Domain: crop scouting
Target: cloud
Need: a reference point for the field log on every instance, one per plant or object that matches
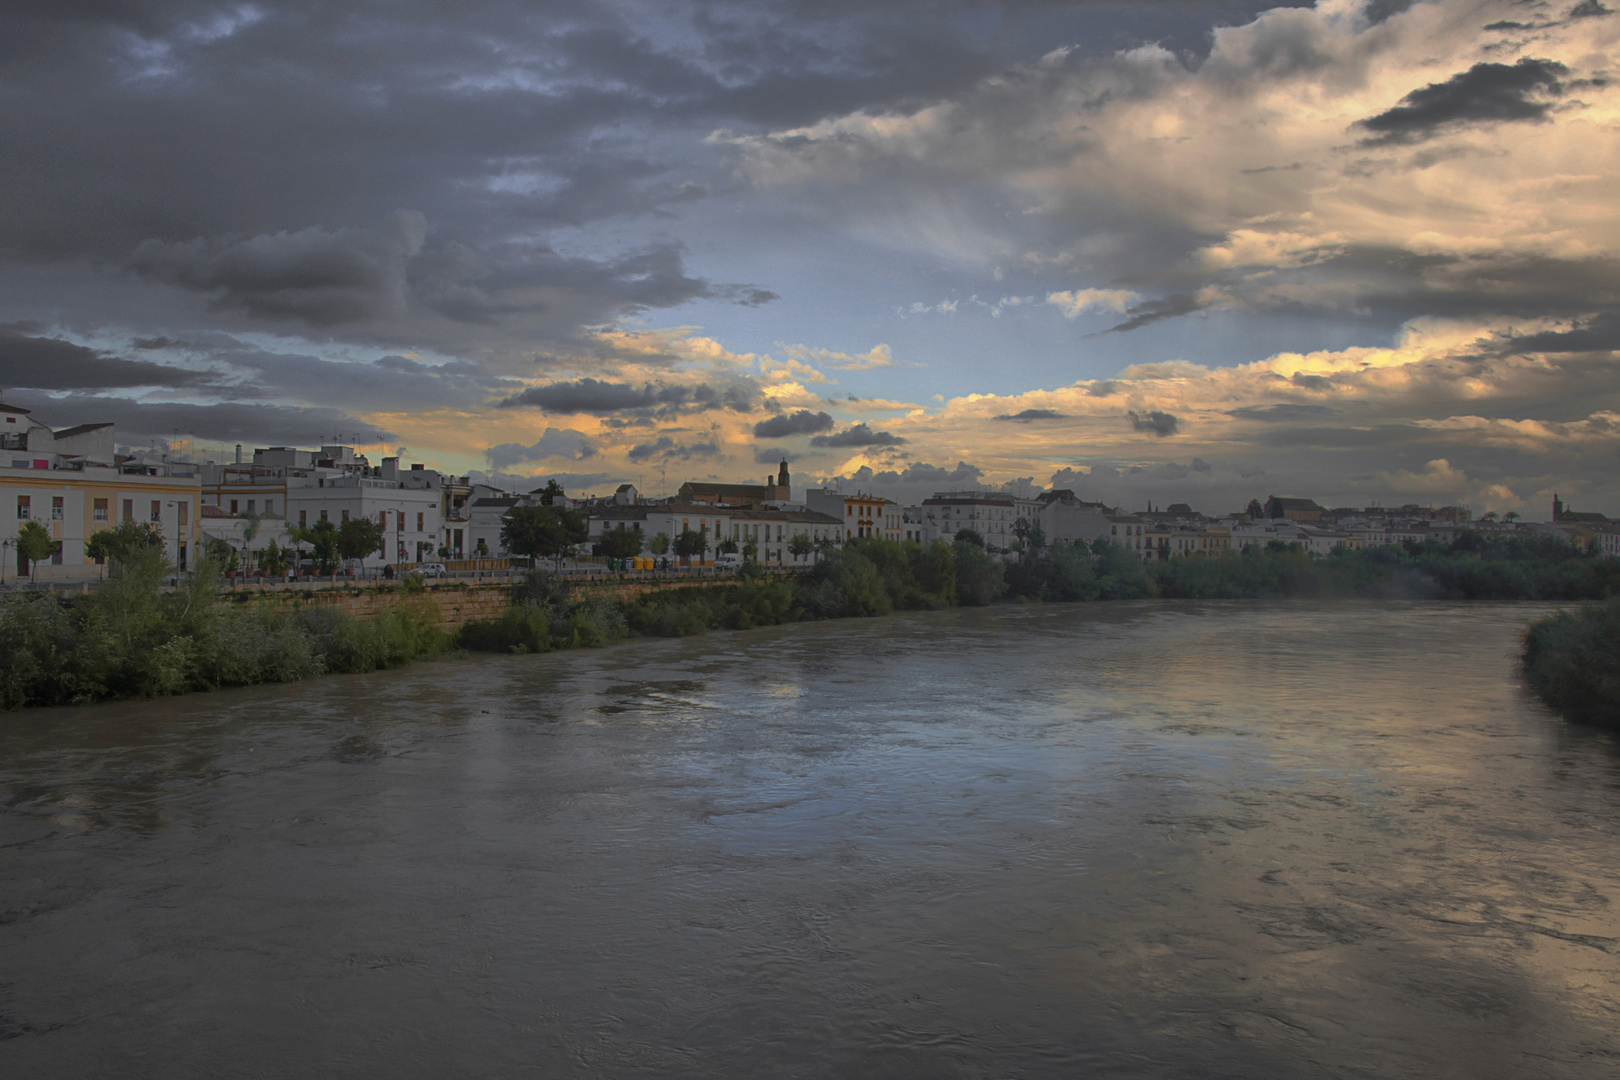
(1033, 414)
(770, 455)
(1079, 300)
(227, 422)
(1600, 333)
(1438, 478)
(878, 356)
(1154, 423)
(604, 398)
(323, 277)
(665, 448)
(49, 363)
(856, 435)
(803, 422)
(1485, 93)
(1285, 412)
(554, 443)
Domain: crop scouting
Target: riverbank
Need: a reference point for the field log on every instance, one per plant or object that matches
(132, 638)
(1572, 662)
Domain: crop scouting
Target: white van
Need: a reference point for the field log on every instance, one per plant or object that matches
(728, 560)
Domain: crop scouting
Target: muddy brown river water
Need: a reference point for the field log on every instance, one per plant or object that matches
(1108, 840)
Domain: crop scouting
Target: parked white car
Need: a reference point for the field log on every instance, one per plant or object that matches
(430, 569)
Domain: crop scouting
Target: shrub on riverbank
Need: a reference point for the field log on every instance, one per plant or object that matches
(1572, 662)
(1469, 570)
(130, 638)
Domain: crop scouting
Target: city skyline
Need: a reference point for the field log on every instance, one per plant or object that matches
(1363, 252)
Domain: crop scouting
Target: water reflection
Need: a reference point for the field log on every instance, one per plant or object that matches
(1129, 840)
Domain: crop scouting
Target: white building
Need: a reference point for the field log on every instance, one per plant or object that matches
(994, 515)
(1066, 520)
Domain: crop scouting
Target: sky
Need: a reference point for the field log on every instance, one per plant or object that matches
(1363, 251)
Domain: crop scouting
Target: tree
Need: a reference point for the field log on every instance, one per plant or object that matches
(691, 542)
(659, 544)
(359, 537)
(801, 545)
(546, 531)
(34, 543)
(621, 542)
(483, 549)
(273, 560)
(1255, 510)
(129, 540)
(727, 546)
(979, 578)
(551, 493)
(322, 537)
(1511, 515)
(968, 536)
(222, 554)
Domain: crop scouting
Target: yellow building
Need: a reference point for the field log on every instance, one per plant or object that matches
(72, 504)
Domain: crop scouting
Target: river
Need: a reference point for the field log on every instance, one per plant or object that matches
(1106, 840)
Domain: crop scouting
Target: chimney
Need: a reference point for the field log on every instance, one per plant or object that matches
(239, 453)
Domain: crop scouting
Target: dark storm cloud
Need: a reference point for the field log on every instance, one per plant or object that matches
(1345, 438)
(1600, 333)
(1153, 311)
(318, 276)
(770, 455)
(603, 398)
(857, 435)
(1485, 93)
(803, 422)
(665, 448)
(254, 155)
(47, 363)
(1153, 423)
(1034, 414)
(227, 422)
(1379, 10)
(1589, 9)
(1273, 414)
(554, 443)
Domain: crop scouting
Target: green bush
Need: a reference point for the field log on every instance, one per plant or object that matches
(1572, 662)
(130, 638)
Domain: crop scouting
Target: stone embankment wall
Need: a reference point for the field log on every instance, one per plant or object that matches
(458, 603)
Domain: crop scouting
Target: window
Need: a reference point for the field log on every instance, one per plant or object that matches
(157, 510)
(250, 505)
(419, 521)
(98, 509)
(56, 508)
(382, 520)
(323, 515)
(233, 506)
(849, 511)
(182, 514)
(22, 507)
(303, 518)
(345, 515)
(269, 506)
